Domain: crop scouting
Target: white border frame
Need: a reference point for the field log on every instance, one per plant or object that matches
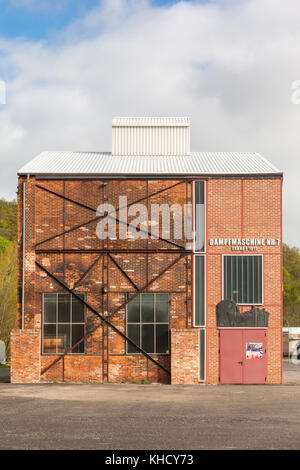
(205, 339)
(262, 276)
(194, 217)
(204, 255)
(199, 253)
(194, 296)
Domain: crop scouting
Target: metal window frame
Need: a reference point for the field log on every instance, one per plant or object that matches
(62, 323)
(194, 216)
(261, 255)
(203, 254)
(154, 323)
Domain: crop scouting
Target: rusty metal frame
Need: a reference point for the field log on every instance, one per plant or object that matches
(106, 251)
(108, 215)
(87, 271)
(123, 272)
(105, 320)
(105, 323)
(170, 266)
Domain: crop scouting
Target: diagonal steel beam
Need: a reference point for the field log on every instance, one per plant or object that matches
(157, 237)
(67, 231)
(123, 272)
(87, 335)
(108, 215)
(106, 251)
(87, 271)
(146, 286)
(103, 319)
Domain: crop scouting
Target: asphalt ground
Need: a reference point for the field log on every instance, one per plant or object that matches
(135, 417)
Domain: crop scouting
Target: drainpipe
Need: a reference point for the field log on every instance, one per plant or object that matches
(23, 257)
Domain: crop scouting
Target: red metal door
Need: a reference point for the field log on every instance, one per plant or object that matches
(231, 356)
(243, 357)
(255, 356)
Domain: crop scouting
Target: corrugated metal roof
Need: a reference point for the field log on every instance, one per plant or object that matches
(151, 140)
(150, 121)
(104, 164)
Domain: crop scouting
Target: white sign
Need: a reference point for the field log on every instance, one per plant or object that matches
(243, 244)
(254, 350)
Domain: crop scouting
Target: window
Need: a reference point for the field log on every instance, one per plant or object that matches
(202, 355)
(199, 203)
(199, 294)
(148, 323)
(243, 279)
(63, 323)
(199, 271)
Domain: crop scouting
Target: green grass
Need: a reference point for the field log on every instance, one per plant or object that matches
(4, 366)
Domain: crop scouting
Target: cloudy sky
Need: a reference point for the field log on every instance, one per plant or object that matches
(71, 65)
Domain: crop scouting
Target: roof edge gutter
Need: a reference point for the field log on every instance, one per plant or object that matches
(278, 174)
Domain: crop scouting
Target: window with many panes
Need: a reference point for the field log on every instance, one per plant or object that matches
(243, 279)
(63, 323)
(148, 323)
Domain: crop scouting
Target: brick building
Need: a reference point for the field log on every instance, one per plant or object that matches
(142, 304)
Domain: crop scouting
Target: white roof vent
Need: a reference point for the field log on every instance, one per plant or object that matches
(151, 136)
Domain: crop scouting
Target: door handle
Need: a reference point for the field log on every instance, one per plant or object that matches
(240, 362)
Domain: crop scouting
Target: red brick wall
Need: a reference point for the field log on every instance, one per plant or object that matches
(245, 208)
(184, 356)
(25, 356)
(236, 208)
(73, 369)
(48, 215)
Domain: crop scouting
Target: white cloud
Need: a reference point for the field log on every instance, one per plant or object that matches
(229, 67)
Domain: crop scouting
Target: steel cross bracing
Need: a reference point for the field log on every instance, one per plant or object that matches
(105, 319)
(105, 323)
(107, 215)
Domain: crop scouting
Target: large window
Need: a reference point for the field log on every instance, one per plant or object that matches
(199, 288)
(63, 323)
(148, 323)
(243, 279)
(199, 207)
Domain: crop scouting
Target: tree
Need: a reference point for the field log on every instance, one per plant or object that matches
(8, 219)
(291, 286)
(8, 293)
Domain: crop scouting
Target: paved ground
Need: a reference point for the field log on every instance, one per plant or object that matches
(4, 375)
(116, 417)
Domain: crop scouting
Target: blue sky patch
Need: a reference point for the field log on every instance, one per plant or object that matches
(39, 19)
